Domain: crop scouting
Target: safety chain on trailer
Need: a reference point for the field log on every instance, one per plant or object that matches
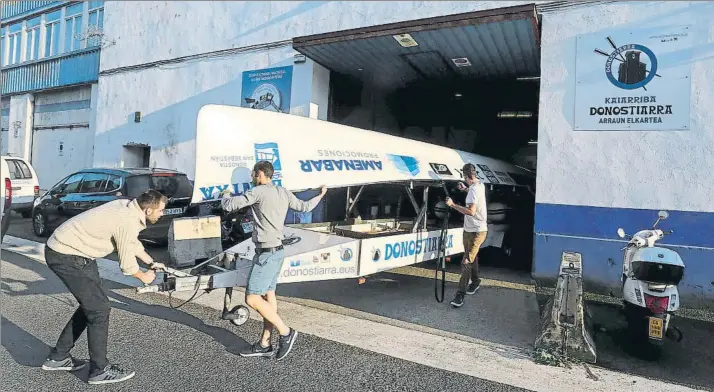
(441, 261)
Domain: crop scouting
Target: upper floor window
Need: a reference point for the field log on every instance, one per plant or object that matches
(32, 46)
(73, 27)
(52, 33)
(96, 22)
(15, 44)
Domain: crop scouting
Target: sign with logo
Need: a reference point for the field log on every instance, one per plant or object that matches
(268, 89)
(440, 169)
(405, 164)
(633, 79)
(385, 253)
(335, 262)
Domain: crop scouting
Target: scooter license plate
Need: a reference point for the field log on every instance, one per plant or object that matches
(247, 227)
(656, 328)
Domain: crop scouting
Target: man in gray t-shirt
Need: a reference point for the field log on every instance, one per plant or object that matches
(269, 204)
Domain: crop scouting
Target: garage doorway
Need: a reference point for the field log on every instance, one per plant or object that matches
(467, 81)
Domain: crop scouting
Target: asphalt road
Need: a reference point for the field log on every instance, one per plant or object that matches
(187, 349)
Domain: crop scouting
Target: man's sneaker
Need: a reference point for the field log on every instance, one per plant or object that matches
(285, 343)
(473, 287)
(69, 364)
(256, 350)
(110, 374)
(458, 300)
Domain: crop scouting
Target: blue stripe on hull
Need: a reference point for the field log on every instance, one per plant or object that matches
(592, 231)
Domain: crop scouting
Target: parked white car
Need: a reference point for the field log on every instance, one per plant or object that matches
(25, 185)
(6, 193)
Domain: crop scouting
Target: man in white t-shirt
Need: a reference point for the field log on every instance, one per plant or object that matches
(475, 230)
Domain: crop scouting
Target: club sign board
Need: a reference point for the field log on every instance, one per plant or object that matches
(637, 79)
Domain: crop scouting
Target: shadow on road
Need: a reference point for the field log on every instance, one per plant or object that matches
(24, 348)
(51, 285)
(689, 362)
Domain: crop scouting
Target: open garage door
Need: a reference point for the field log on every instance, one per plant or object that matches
(466, 81)
(485, 44)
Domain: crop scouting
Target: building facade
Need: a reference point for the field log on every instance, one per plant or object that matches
(617, 138)
(50, 65)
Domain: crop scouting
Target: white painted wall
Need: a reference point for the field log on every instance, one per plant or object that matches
(625, 169)
(148, 31)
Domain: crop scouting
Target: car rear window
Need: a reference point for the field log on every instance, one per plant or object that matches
(18, 170)
(169, 184)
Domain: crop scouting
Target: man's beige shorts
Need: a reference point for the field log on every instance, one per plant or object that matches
(472, 243)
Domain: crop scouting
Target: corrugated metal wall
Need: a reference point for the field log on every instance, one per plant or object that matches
(82, 67)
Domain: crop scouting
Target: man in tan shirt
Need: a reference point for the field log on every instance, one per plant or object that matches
(71, 253)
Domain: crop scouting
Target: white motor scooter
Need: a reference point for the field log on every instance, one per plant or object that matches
(650, 275)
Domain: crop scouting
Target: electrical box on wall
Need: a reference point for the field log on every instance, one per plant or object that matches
(137, 117)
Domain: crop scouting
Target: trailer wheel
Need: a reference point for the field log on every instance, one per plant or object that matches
(243, 314)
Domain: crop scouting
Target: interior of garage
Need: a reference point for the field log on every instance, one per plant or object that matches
(467, 81)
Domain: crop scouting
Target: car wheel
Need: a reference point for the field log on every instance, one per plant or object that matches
(39, 224)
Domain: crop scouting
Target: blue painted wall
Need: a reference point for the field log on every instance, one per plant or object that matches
(592, 231)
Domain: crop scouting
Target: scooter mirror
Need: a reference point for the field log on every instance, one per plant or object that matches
(621, 233)
(663, 215)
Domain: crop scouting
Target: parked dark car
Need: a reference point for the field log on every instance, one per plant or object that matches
(89, 188)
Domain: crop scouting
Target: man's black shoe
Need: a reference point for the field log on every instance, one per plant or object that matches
(473, 287)
(285, 343)
(458, 300)
(256, 350)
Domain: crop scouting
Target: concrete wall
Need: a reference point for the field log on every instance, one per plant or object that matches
(592, 182)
